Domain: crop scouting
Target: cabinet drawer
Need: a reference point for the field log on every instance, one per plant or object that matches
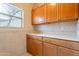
(49, 49)
(55, 41)
(67, 52)
(65, 43)
(73, 45)
(34, 37)
(34, 45)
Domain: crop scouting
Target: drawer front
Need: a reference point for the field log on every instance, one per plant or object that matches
(67, 52)
(34, 37)
(65, 43)
(73, 45)
(55, 41)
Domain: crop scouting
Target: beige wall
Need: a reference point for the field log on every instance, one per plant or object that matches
(27, 15)
(13, 40)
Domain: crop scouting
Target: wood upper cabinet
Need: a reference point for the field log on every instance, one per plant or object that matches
(78, 10)
(67, 52)
(49, 49)
(39, 15)
(34, 46)
(67, 11)
(55, 12)
(51, 12)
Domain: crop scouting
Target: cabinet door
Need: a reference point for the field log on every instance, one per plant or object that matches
(39, 15)
(49, 50)
(67, 11)
(78, 10)
(67, 52)
(34, 46)
(51, 12)
(38, 47)
(30, 46)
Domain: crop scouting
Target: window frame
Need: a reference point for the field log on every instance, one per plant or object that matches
(22, 17)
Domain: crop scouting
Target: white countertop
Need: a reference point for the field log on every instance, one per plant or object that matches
(58, 36)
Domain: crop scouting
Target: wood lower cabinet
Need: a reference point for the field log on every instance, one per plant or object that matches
(67, 52)
(49, 49)
(34, 46)
(38, 47)
(31, 46)
(42, 46)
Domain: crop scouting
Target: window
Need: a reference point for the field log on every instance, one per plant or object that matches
(10, 15)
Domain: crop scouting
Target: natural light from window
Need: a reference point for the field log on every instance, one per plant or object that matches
(10, 15)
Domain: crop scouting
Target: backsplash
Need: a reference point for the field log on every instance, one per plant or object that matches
(66, 28)
(77, 31)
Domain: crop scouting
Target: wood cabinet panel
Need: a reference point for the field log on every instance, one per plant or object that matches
(30, 46)
(39, 15)
(35, 37)
(51, 13)
(49, 49)
(39, 46)
(78, 10)
(63, 42)
(67, 11)
(67, 52)
(55, 41)
(34, 46)
(57, 12)
(72, 45)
